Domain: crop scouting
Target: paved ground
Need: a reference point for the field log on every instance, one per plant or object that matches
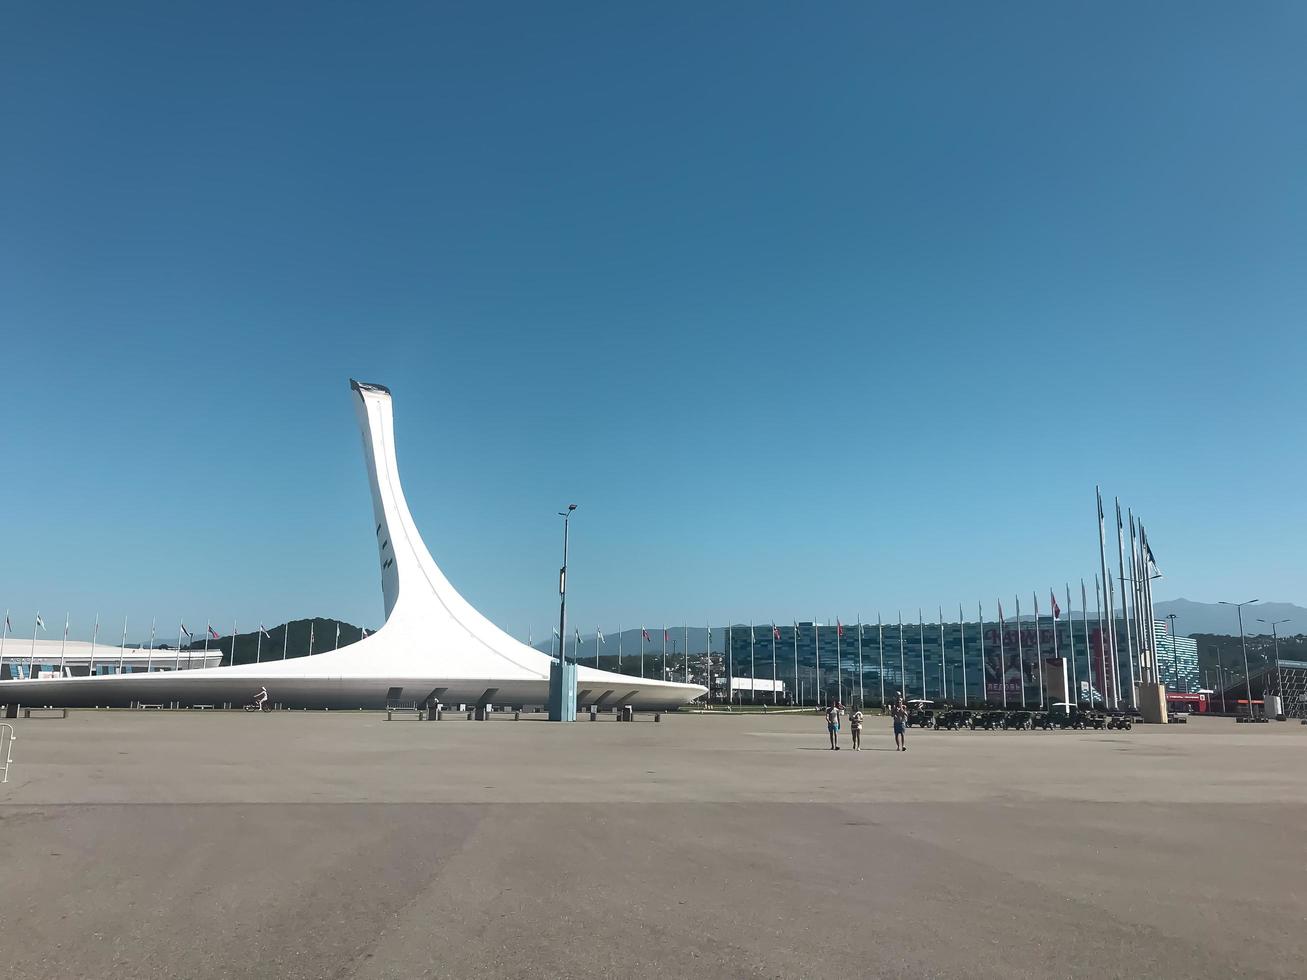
(339, 845)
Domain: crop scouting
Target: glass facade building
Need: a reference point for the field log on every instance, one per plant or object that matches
(972, 661)
(1177, 660)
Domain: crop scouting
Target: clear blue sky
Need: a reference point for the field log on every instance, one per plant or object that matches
(815, 310)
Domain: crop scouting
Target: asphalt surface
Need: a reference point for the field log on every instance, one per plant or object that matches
(206, 845)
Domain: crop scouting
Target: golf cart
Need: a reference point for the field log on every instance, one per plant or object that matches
(921, 713)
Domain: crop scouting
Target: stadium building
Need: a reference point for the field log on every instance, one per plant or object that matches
(950, 661)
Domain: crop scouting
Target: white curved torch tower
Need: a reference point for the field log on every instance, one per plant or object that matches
(434, 646)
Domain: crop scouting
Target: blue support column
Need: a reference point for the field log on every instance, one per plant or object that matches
(562, 691)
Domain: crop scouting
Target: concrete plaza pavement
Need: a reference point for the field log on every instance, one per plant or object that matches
(308, 844)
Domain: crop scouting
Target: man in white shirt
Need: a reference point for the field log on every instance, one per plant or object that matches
(855, 726)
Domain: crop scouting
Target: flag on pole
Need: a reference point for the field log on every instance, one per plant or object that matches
(214, 633)
(666, 634)
(365, 633)
(40, 622)
(188, 633)
(775, 632)
(839, 627)
(1057, 612)
(599, 636)
(644, 635)
(8, 628)
(338, 631)
(578, 643)
(264, 630)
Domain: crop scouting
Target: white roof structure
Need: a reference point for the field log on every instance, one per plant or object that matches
(24, 655)
(433, 646)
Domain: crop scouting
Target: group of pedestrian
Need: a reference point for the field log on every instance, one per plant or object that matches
(898, 713)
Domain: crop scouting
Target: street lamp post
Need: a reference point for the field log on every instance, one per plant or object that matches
(1175, 653)
(1243, 644)
(1275, 637)
(562, 586)
(562, 680)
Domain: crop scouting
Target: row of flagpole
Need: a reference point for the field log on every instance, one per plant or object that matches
(1136, 618)
(39, 626)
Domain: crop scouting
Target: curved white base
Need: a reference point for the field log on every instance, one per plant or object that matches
(433, 644)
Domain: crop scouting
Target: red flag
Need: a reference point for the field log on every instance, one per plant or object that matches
(665, 634)
(839, 627)
(213, 633)
(775, 632)
(1056, 610)
(645, 634)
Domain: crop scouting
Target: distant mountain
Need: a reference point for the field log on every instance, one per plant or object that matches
(1210, 617)
(277, 644)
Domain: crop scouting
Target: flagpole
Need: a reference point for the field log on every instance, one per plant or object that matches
(1052, 598)
(1146, 559)
(943, 670)
(753, 674)
(839, 661)
(149, 660)
(233, 641)
(1116, 660)
(619, 649)
(208, 632)
(1110, 636)
(31, 657)
(122, 647)
(1071, 635)
(685, 641)
(980, 624)
(1102, 639)
(728, 662)
(1125, 607)
(1136, 595)
(774, 693)
(642, 651)
(63, 645)
(797, 689)
(1021, 655)
(285, 639)
(3, 636)
(880, 639)
(1089, 652)
(1039, 649)
(1002, 652)
(921, 648)
(861, 697)
(258, 645)
(177, 660)
(903, 664)
(816, 639)
(962, 633)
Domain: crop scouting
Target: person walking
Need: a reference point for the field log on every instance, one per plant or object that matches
(855, 727)
(900, 715)
(833, 726)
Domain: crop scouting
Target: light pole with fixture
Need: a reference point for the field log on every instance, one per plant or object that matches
(562, 675)
(1243, 644)
(1175, 652)
(1275, 637)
